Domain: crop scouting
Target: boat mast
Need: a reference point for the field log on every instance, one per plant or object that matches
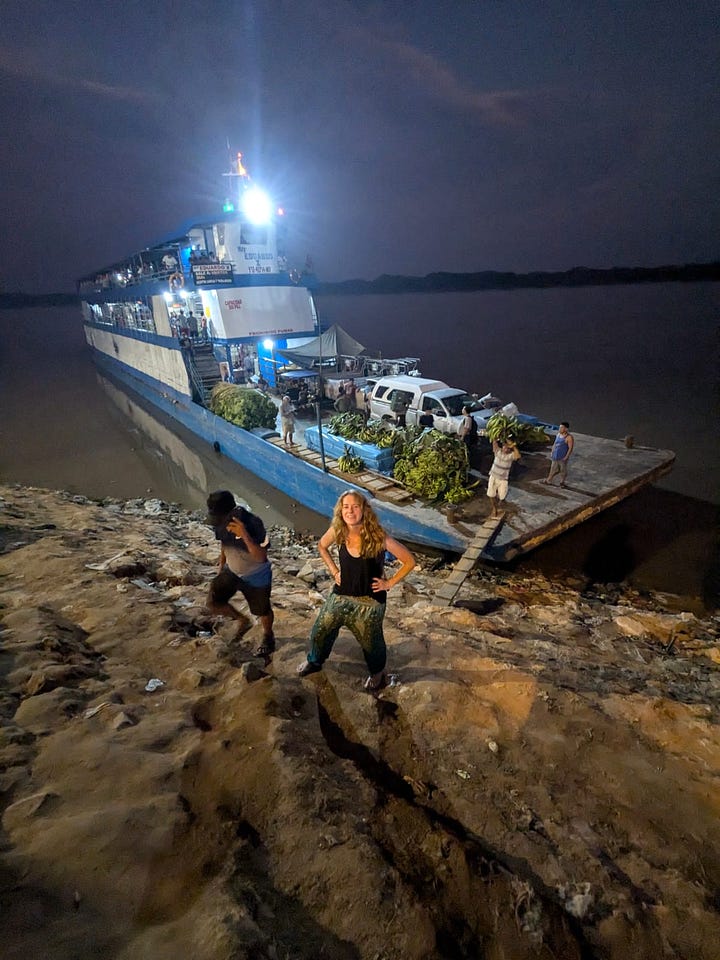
(240, 179)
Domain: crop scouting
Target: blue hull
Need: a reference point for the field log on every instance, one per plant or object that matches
(301, 481)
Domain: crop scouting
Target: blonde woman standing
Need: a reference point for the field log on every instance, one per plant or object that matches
(358, 598)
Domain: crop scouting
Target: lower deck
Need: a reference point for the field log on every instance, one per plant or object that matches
(601, 473)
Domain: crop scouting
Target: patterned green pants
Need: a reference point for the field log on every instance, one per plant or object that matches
(361, 615)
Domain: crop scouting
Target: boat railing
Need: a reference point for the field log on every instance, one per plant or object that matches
(121, 280)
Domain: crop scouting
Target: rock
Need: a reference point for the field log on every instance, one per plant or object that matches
(577, 898)
(557, 615)
(121, 720)
(175, 571)
(661, 626)
(46, 711)
(251, 672)
(308, 572)
(126, 567)
(191, 679)
(55, 675)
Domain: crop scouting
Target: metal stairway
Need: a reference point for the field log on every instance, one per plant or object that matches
(203, 369)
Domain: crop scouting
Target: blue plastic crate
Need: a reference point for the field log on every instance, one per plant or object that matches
(381, 461)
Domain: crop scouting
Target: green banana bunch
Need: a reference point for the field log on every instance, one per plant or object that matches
(242, 406)
(502, 429)
(434, 467)
(349, 463)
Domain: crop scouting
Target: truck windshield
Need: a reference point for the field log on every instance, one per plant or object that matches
(455, 404)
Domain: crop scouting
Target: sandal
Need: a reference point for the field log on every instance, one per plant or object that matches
(307, 667)
(267, 647)
(376, 682)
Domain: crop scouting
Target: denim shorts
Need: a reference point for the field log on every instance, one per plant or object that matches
(226, 584)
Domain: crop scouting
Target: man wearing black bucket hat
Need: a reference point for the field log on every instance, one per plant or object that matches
(244, 565)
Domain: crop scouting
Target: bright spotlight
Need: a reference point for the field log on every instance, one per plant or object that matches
(256, 206)
(268, 344)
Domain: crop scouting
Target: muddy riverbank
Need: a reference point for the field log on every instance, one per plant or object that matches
(539, 781)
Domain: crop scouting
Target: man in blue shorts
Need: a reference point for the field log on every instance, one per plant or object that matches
(560, 454)
(243, 564)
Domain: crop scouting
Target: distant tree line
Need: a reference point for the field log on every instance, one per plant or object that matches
(494, 280)
(454, 282)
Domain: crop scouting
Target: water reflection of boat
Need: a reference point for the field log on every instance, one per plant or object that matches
(184, 468)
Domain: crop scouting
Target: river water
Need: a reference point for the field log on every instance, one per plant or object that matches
(638, 360)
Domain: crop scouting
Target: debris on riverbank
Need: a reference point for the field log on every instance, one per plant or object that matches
(539, 781)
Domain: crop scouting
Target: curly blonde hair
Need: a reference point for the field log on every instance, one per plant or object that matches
(372, 535)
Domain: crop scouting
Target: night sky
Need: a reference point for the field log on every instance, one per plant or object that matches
(401, 137)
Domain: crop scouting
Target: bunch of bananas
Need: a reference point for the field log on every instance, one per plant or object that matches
(242, 406)
(502, 429)
(352, 426)
(435, 467)
(349, 463)
(347, 425)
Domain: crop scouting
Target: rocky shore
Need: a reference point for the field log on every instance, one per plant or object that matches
(540, 779)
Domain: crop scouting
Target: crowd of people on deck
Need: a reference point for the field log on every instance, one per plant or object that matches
(148, 266)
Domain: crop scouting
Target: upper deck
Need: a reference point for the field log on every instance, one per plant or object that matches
(242, 246)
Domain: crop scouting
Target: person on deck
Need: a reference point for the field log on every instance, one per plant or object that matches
(243, 564)
(498, 480)
(287, 421)
(359, 595)
(468, 430)
(560, 454)
(343, 403)
(399, 405)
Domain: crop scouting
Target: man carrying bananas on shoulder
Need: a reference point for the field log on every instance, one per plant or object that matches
(498, 480)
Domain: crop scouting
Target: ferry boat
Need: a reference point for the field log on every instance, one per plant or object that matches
(216, 300)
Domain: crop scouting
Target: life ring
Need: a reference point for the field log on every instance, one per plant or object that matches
(176, 281)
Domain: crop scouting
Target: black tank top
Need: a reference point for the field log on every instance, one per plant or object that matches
(358, 573)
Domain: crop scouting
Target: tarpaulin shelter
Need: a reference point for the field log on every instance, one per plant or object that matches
(333, 344)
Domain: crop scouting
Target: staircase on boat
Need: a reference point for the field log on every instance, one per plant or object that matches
(203, 369)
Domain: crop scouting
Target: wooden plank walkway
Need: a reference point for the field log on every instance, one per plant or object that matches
(384, 488)
(445, 595)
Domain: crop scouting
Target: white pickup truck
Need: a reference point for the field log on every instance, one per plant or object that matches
(433, 397)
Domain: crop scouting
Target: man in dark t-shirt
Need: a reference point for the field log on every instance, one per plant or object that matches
(243, 564)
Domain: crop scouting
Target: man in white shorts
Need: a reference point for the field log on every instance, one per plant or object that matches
(497, 489)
